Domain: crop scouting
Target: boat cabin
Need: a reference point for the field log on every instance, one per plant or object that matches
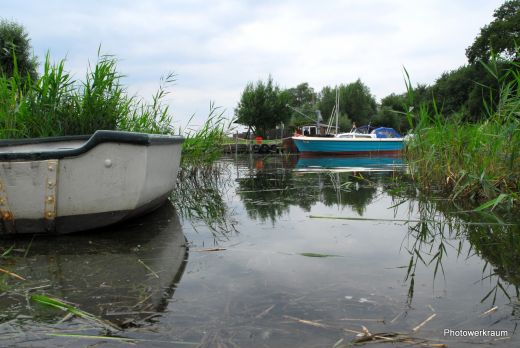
(314, 129)
(368, 132)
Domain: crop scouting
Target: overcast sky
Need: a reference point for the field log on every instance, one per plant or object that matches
(217, 47)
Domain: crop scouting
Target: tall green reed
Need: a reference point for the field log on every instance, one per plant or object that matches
(476, 161)
(57, 104)
(204, 144)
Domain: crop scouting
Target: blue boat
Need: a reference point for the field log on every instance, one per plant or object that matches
(379, 141)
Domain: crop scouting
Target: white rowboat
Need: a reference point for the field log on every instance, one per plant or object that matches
(75, 183)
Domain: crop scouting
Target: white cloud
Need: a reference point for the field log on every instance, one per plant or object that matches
(217, 47)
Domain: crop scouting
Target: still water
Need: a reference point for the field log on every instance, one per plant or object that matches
(274, 251)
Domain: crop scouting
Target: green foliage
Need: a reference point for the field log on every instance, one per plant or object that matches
(469, 92)
(203, 144)
(357, 102)
(326, 104)
(501, 36)
(465, 89)
(301, 95)
(199, 197)
(479, 161)
(302, 98)
(151, 118)
(55, 104)
(391, 112)
(59, 304)
(15, 51)
(327, 101)
(262, 106)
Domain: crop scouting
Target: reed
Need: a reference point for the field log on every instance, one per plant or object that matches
(199, 197)
(204, 144)
(470, 161)
(57, 104)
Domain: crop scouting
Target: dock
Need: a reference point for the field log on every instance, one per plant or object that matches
(252, 148)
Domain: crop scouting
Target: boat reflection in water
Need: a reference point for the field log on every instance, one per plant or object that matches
(125, 274)
(350, 163)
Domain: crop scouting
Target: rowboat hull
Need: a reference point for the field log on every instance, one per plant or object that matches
(69, 184)
(347, 146)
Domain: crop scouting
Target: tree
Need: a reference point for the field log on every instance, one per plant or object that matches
(501, 36)
(302, 98)
(262, 106)
(391, 112)
(326, 103)
(465, 89)
(357, 102)
(302, 95)
(15, 51)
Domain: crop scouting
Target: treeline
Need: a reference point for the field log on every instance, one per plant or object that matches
(469, 92)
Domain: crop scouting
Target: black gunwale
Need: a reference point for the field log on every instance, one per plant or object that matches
(99, 137)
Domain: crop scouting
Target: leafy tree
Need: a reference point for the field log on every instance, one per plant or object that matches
(422, 95)
(392, 107)
(357, 102)
(15, 51)
(465, 89)
(326, 103)
(501, 36)
(394, 102)
(262, 106)
(391, 112)
(302, 95)
(303, 98)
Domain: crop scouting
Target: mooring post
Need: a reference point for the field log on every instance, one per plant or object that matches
(236, 143)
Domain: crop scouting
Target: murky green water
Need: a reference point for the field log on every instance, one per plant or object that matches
(275, 252)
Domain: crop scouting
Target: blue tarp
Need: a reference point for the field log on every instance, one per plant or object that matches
(384, 132)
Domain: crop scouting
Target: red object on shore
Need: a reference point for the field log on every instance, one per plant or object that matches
(258, 140)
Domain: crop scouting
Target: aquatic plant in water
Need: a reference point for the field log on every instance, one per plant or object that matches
(440, 228)
(475, 161)
(204, 144)
(199, 196)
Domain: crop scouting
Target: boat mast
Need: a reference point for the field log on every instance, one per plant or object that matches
(337, 109)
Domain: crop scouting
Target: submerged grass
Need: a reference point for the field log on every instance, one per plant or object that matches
(59, 304)
(471, 161)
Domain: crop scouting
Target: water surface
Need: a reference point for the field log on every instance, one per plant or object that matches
(283, 252)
